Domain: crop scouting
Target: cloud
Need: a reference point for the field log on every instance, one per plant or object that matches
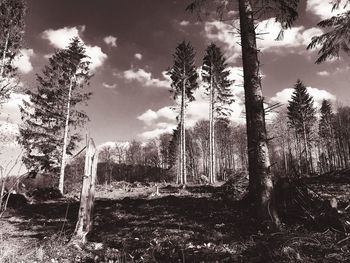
(138, 56)
(292, 38)
(60, 38)
(156, 132)
(323, 73)
(318, 95)
(146, 78)
(323, 9)
(217, 31)
(295, 37)
(22, 61)
(164, 119)
(109, 86)
(184, 23)
(10, 116)
(149, 117)
(111, 41)
(96, 56)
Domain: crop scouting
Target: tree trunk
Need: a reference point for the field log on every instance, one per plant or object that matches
(211, 124)
(183, 132)
(65, 139)
(87, 197)
(2, 191)
(260, 176)
(2, 70)
(306, 148)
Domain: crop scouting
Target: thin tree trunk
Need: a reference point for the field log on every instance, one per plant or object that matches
(260, 176)
(183, 178)
(2, 70)
(306, 148)
(65, 139)
(2, 186)
(211, 146)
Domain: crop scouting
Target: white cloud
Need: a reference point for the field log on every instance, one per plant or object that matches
(184, 23)
(323, 9)
(295, 37)
(323, 73)
(96, 56)
(150, 117)
(156, 132)
(217, 31)
(292, 38)
(111, 41)
(318, 95)
(138, 56)
(60, 38)
(10, 116)
(22, 61)
(146, 78)
(109, 86)
(164, 119)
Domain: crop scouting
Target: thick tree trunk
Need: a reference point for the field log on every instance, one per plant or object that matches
(87, 197)
(260, 176)
(65, 139)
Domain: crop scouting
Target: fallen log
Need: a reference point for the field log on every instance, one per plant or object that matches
(296, 203)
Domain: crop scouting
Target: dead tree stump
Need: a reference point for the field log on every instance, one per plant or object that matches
(85, 222)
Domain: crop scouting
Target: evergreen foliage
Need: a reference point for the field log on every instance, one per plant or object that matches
(301, 112)
(44, 116)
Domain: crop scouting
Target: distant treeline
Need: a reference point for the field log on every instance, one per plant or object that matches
(109, 172)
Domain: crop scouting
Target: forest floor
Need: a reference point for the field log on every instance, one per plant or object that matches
(196, 224)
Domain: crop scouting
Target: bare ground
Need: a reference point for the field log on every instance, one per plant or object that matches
(180, 225)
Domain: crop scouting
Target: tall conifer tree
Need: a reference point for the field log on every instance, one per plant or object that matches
(215, 73)
(51, 119)
(301, 115)
(12, 14)
(184, 81)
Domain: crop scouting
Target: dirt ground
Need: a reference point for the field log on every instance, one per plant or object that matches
(196, 224)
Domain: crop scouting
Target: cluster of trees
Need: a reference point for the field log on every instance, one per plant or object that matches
(307, 139)
(184, 78)
(52, 119)
(162, 152)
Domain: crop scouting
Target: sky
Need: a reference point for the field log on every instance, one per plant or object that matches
(131, 42)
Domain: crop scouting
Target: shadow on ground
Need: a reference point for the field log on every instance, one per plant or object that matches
(191, 225)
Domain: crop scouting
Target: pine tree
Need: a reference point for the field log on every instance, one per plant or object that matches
(12, 13)
(51, 119)
(250, 12)
(326, 133)
(301, 115)
(184, 81)
(335, 38)
(215, 73)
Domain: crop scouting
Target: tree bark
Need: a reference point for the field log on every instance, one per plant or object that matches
(184, 171)
(211, 131)
(2, 70)
(65, 139)
(260, 176)
(87, 197)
